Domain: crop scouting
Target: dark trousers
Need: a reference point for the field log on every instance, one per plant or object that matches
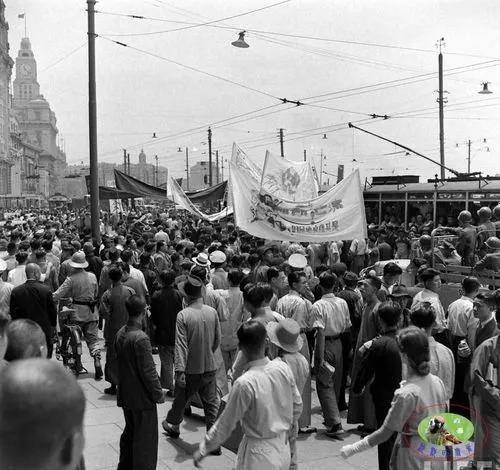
(139, 440)
(50, 345)
(382, 406)
(345, 338)
(206, 387)
(111, 366)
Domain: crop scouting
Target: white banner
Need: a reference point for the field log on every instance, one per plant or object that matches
(338, 214)
(241, 160)
(179, 197)
(285, 179)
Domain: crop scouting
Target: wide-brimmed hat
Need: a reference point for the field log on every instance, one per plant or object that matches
(192, 286)
(201, 260)
(285, 334)
(493, 243)
(399, 291)
(218, 257)
(78, 260)
(297, 261)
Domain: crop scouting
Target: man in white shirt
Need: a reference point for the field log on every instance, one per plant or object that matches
(265, 400)
(17, 276)
(160, 235)
(331, 318)
(463, 325)
(432, 285)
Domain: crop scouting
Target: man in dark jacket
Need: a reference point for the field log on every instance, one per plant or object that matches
(34, 300)
(95, 263)
(139, 390)
(166, 303)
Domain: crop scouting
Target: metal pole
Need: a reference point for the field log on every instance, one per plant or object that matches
(281, 143)
(210, 176)
(187, 168)
(124, 160)
(156, 158)
(305, 154)
(468, 157)
(321, 171)
(441, 113)
(94, 168)
(128, 163)
(222, 168)
(217, 166)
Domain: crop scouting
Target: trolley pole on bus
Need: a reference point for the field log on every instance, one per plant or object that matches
(441, 102)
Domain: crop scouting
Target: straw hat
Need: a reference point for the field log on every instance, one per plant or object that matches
(201, 260)
(285, 334)
(297, 261)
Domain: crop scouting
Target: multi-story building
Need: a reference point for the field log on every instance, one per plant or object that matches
(6, 64)
(199, 176)
(37, 121)
(75, 187)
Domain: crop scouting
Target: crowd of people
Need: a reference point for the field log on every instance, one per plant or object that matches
(245, 329)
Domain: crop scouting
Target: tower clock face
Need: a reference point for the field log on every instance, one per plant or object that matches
(25, 70)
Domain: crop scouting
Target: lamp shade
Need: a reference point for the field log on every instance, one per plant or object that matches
(240, 42)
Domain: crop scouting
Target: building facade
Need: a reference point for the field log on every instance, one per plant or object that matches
(37, 121)
(6, 64)
(199, 176)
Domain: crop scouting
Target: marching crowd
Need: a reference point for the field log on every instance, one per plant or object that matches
(246, 329)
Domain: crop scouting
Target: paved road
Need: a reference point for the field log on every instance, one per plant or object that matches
(104, 423)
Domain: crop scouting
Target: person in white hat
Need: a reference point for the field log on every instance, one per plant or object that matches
(82, 287)
(285, 335)
(218, 274)
(201, 260)
(265, 400)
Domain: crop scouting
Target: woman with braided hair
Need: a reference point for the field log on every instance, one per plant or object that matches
(420, 395)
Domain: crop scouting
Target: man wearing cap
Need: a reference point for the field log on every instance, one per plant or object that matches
(266, 257)
(218, 274)
(33, 300)
(451, 257)
(331, 319)
(196, 341)
(81, 286)
(491, 259)
(266, 402)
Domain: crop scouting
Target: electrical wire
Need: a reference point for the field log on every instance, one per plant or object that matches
(275, 33)
(189, 67)
(195, 25)
(63, 58)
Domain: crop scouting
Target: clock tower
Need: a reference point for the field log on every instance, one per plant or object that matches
(26, 87)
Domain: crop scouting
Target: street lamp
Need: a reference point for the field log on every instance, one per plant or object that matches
(240, 42)
(485, 90)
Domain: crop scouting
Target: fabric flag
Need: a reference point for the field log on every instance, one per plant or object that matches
(139, 188)
(182, 200)
(289, 180)
(338, 214)
(241, 160)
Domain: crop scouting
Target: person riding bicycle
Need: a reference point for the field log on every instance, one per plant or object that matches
(82, 287)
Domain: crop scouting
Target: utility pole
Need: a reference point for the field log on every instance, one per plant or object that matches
(124, 160)
(217, 166)
(187, 168)
(128, 163)
(441, 108)
(281, 143)
(468, 156)
(222, 168)
(321, 171)
(94, 168)
(305, 155)
(156, 170)
(210, 176)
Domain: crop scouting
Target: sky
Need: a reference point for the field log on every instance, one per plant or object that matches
(163, 82)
